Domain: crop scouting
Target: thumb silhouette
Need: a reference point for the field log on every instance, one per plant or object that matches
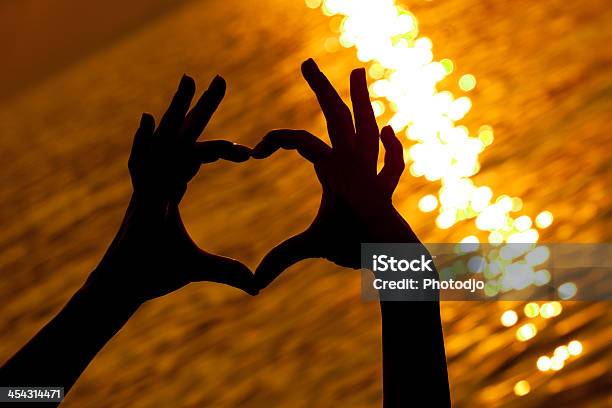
(284, 255)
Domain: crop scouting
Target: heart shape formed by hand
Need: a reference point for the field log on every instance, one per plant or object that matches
(356, 205)
(153, 254)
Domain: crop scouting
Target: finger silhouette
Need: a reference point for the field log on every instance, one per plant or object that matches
(213, 150)
(284, 255)
(202, 112)
(394, 159)
(175, 115)
(366, 129)
(309, 146)
(347, 172)
(337, 114)
(142, 139)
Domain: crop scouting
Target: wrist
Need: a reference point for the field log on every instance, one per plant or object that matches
(385, 223)
(107, 295)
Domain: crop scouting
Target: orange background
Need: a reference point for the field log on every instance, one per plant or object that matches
(75, 79)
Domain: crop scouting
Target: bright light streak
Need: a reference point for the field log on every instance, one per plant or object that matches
(405, 77)
(404, 80)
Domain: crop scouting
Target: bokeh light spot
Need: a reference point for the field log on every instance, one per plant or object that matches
(567, 290)
(526, 332)
(467, 82)
(543, 363)
(574, 347)
(531, 310)
(509, 318)
(522, 388)
(428, 203)
(544, 219)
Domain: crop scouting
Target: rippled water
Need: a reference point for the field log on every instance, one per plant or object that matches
(544, 84)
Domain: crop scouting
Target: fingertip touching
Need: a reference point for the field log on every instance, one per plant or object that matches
(266, 147)
(212, 150)
(241, 153)
(307, 145)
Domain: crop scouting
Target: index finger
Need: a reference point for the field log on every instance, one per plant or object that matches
(337, 114)
(202, 112)
(366, 142)
(213, 150)
(172, 119)
(308, 145)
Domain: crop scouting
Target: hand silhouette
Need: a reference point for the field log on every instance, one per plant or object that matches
(356, 204)
(356, 207)
(152, 254)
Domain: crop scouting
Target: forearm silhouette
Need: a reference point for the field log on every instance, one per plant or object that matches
(151, 255)
(356, 206)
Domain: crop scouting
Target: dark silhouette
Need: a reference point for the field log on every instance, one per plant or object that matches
(152, 254)
(356, 207)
